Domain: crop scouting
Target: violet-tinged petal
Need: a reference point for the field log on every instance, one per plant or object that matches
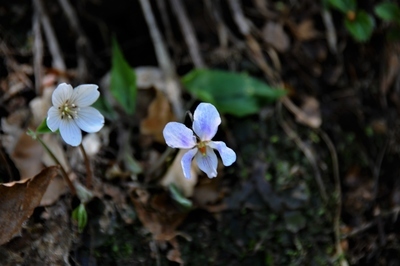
(207, 163)
(61, 94)
(177, 135)
(70, 132)
(85, 95)
(53, 119)
(228, 156)
(89, 119)
(186, 162)
(206, 120)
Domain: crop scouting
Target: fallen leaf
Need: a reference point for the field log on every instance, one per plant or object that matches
(174, 175)
(310, 114)
(27, 156)
(304, 31)
(159, 114)
(19, 199)
(148, 77)
(159, 214)
(274, 34)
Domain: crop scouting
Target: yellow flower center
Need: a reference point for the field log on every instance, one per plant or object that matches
(202, 147)
(68, 110)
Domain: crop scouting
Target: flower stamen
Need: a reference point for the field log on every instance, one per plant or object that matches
(202, 148)
(68, 110)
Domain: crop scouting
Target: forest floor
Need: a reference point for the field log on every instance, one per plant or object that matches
(316, 180)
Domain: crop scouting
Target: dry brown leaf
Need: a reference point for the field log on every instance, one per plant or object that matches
(160, 216)
(158, 213)
(305, 30)
(274, 34)
(27, 156)
(207, 192)
(55, 189)
(309, 112)
(159, 114)
(19, 199)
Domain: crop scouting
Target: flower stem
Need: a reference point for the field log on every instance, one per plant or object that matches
(88, 169)
(64, 173)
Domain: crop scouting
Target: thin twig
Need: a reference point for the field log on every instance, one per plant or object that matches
(221, 27)
(162, 8)
(58, 61)
(166, 64)
(252, 43)
(377, 167)
(14, 66)
(330, 29)
(37, 52)
(188, 33)
(88, 168)
(64, 173)
(338, 196)
(81, 42)
(306, 150)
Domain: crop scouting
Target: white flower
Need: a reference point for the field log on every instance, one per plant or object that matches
(206, 120)
(71, 112)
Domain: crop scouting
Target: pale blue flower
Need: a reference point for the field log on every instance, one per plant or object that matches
(206, 120)
(71, 112)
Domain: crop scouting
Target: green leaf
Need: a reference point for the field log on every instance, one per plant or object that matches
(388, 12)
(80, 215)
(232, 93)
(361, 27)
(344, 5)
(179, 198)
(43, 128)
(123, 80)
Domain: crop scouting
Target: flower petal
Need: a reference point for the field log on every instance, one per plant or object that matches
(207, 163)
(89, 119)
(70, 132)
(186, 162)
(228, 156)
(177, 135)
(62, 93)
(53, 119)
(206, 120)
(85, 95)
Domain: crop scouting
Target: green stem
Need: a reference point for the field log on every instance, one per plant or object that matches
(64, 173)
(88, 169)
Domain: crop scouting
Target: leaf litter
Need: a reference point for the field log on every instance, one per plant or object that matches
(268, 208)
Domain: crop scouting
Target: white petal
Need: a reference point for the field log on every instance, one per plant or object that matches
(207, 163)
(62, 93)
(186, 162)
(206, 120)
(53, 119)
(228, 156)
(177, 135)
(85, 95)
(70, 132)
(89, 119)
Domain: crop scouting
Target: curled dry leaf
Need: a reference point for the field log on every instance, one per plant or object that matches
(19, 199)
(161, 217)
(174, 175)
(311, 114)
(274, 34)
(27, 156)
(308, 114)
(159, 114)
(304, 31)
